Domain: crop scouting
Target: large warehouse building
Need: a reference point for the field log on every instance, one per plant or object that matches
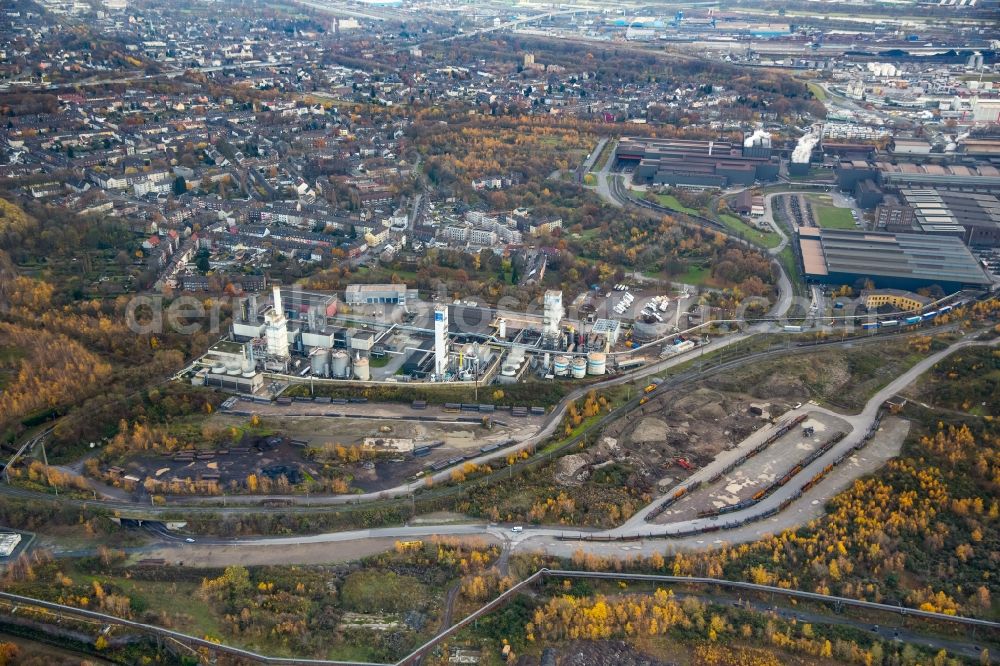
(893, 261)
(982, 177)
(695, 163)
(973, 217)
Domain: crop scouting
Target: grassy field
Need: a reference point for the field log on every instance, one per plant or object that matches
(838, 378)
(831, 217)
(738, 226)
(787, 258)
(817, 91)
(694, 275)
(606, 153)
(671, 202)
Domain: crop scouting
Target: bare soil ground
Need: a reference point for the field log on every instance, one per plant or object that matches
(673, 429)
(273, 453)
(691, 426)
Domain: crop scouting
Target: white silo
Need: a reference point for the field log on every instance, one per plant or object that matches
(597, 363)
(560, 366)
(319, 361)
(502, 328)
(361, 369)
(338, 364)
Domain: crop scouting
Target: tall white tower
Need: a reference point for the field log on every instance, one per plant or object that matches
(276, 329)
(553, 313)
(440, 340)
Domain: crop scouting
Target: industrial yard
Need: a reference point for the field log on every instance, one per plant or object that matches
(369, 447)
(779, 459)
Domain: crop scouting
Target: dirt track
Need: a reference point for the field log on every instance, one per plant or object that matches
(306, 553)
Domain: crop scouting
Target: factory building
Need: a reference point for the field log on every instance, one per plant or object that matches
(897, 298)
(696, 163)
(894, 217)
(376, 294)
(894, 261)
(851, 172)
(981, 177)
(973, 217)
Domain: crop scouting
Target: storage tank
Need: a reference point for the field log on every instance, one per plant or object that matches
(219, 369)
(508, 370)
(338, 364)
(234, 368)
(199, 378)
(579, 367)
(560, 366)
(361, 370)
(502, 328)
(320, 362)
(597, 363)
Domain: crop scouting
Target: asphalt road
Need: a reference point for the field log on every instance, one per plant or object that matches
(548, 538)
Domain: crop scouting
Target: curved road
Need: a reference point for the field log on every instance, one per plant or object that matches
(544, 538)
(612, 189)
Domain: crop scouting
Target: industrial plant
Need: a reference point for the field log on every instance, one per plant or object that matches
(383, 333)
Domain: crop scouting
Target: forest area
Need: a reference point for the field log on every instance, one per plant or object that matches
(64, 354)
(376, 609)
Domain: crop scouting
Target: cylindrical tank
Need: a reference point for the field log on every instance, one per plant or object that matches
(320, 361)
(502, 328)
(219, 369)
(248, 364)
(508, 370)
(578, 368)
(597, 363)
(560, 365)
(338, 364)
(249, 374)
(361, 370)
(234, 370)
(199, 378)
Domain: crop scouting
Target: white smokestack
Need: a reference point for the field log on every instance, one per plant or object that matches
(277, 300)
